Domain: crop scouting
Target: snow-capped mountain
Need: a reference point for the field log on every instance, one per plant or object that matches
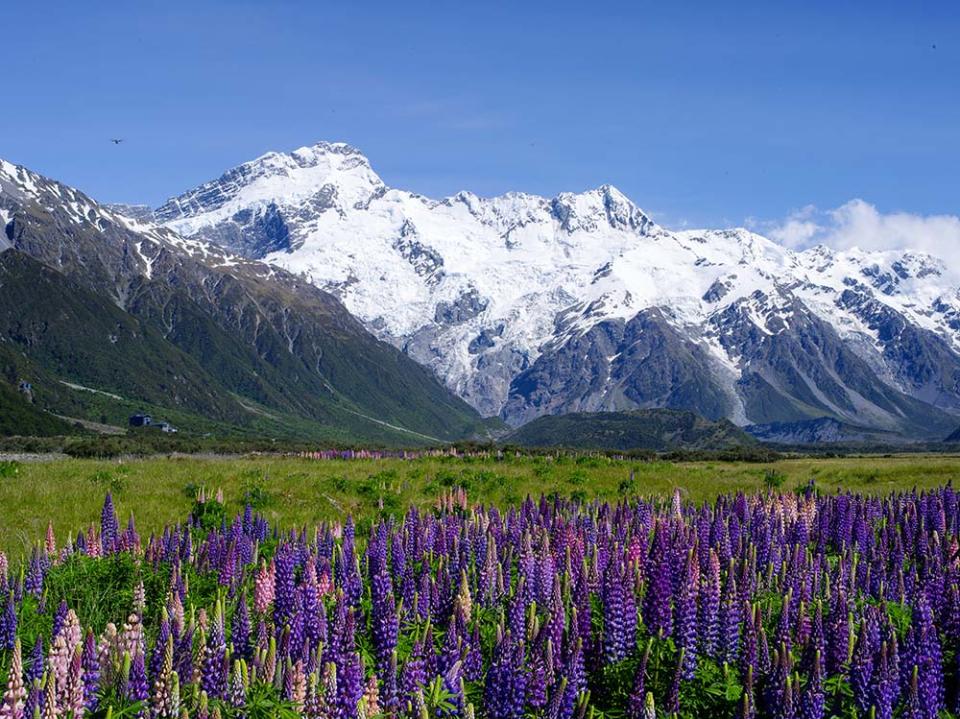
(526, 305)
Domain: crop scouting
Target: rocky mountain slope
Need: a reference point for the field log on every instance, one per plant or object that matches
(132, 311)
(527, 305)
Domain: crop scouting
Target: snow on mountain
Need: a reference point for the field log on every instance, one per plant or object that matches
(486, 290)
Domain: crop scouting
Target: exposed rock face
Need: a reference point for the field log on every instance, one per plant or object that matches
(600, 307)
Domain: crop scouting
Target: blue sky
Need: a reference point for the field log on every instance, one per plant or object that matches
(704, 114)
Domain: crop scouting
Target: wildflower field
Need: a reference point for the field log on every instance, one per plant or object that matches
(226, 588)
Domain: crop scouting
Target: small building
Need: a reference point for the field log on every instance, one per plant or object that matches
(165, 427)
(141, 420)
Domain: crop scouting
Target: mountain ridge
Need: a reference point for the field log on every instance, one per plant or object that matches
(493, 294)
(255, 338)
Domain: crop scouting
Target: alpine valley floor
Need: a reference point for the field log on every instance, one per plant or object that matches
(300, 492)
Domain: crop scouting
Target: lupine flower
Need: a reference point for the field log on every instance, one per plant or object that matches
(214, 672)
(15, 695)
(537, 605)
(109, 526)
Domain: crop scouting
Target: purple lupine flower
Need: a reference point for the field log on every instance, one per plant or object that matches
(136, 687)
(160, 648)
(59, 617)
(813, 701)
(91, 671)
(414, 673)
(638, 695)
(109, 526)
(929, 662)
(912, 708)
(885, 687)
(285, 594)
(686, 637)
(240, 629)
(862, 671)
(237, 687)
(673, 695)
(619, 614)
(710, 607)
(35, 668)
(385, 624)
(730, 619)
(33, 583)
(349, 672)
(657, 602)
(8, 625)
(213, 676)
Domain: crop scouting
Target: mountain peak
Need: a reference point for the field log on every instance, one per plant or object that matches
(326, 173)
(587, 210)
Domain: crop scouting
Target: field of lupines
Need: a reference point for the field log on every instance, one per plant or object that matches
(787, 605)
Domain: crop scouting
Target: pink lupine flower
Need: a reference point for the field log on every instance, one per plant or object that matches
(50, 544)
(73, 695)
(15, 695)
(263, 590)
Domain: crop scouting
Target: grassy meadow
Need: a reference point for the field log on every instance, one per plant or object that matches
(299, 492)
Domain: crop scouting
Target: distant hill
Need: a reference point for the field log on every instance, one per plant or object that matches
(822, 430)
(954, 437)
(651, 429)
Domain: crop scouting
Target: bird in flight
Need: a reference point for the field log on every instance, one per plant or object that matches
(116, 140)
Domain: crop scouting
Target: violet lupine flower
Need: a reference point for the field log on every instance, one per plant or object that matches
(136, 687)
(414, 673)
(213, 677)
(638, 695)
(913, 709)
(929, 662)
(109, 526)
(240, 629)
(36, 573)
(862, 672)
(91, 671)
(657, 602)
(35, 668)
(687, 638)
(619, 614)
(237, 687)
(813, 701)
(349, 669)
(885, 688)
(285, 594)
(385, 624)
(59, 617)
(730, 618)
(8, 625)
(709, 610)
(160, 647)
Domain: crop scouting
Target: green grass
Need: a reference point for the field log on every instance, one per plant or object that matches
(300, 492)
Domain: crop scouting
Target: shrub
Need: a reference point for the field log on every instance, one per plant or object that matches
(773, 479)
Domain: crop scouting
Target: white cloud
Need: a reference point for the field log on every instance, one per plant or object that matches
(859, 224)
